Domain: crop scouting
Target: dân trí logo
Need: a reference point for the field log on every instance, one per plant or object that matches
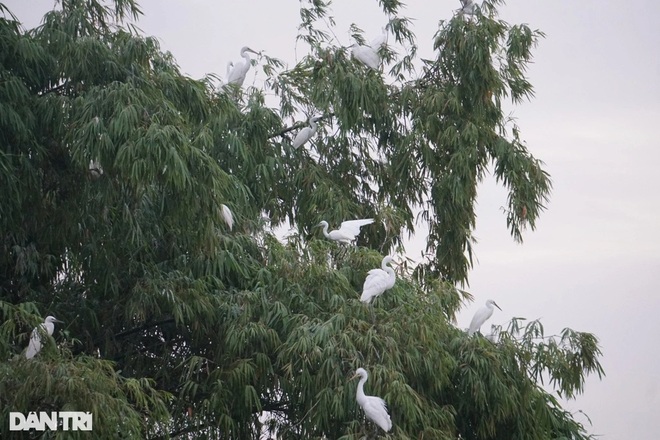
(54, 421)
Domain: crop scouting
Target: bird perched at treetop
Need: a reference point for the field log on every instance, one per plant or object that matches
(348, 230)
(236, 74)
(481, 316)
(378, 281)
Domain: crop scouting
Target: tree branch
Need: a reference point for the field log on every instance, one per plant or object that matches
(144, 327)
(298, 125)
(178, 432)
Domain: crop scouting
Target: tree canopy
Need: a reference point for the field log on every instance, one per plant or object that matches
(176, 324)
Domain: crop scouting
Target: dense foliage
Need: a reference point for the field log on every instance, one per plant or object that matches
(177, 325)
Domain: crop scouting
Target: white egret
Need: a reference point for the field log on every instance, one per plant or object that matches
(374, 407)
(468, 7)
(237, 73)
(34, 346)
(366, 55)
(481, 316)
(227, 216)
(378, 281)
(347, 231)
(306, 133)
(379, 41)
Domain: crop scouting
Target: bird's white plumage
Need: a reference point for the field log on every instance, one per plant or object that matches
(379, 41)
(366, 55)
(306, 133)
(236, 74)
(34, 346)
(378, 281)
(481, 316)
(227, 216)
(374, 407)
(347, 231)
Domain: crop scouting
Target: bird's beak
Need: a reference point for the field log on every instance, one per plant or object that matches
(354, 376)
(495, 304)
(57, 320)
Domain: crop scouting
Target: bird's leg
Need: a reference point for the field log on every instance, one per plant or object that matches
(343, 250)
(374, 432)
(335, 255)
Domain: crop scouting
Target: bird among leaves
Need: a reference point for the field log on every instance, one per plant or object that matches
(34, 346)
(374, 407)
(378, 281)
(306, 133)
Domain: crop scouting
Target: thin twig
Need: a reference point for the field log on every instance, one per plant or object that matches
(298, 125)
(144, 327)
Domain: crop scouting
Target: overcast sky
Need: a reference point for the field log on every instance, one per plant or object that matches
(593, 264)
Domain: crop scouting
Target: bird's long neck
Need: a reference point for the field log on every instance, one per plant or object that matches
(325, 230)
(246, 56)
(360, 389)
(388, 269)
(49, 326)
(313, 125)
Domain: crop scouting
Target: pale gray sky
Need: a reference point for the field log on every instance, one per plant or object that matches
(594, 262)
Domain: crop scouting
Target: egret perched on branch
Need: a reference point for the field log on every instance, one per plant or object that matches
(379, 41)
(306, 133)
(468, 7)
(237, 73)
(347, 231)
(227, 216)
(48, 326)
(481, 316)
(368, 55)
(378, 281)
(374, 407)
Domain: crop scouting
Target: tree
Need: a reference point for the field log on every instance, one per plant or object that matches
(177, 325)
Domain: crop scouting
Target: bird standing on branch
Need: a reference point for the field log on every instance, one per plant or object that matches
(374, 407)
(34, 347)
(378, 281)
(306, 133)
(481, 316)
(368, 55)
(236, 74)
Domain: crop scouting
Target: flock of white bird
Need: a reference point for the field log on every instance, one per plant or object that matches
(377, 280)
(375, 284)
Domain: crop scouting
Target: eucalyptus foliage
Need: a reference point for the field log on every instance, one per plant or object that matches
(176, 326)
